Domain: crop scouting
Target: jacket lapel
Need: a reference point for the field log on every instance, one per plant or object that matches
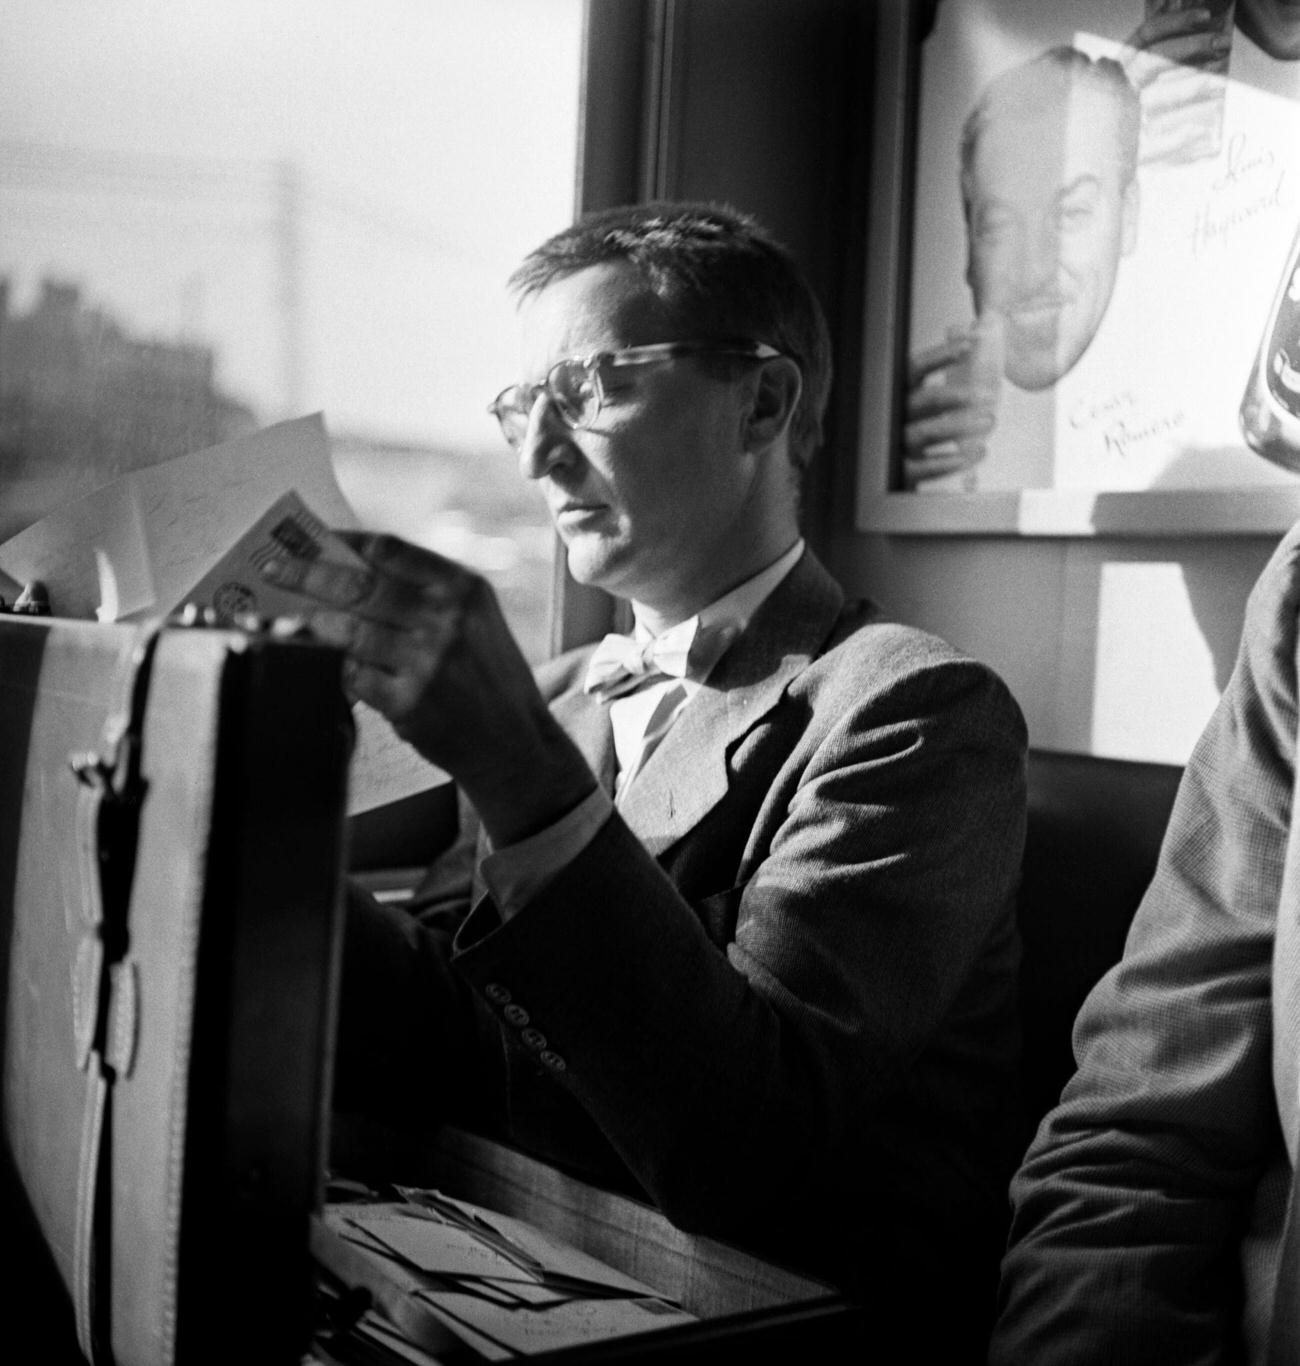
(587, 722)
(687, 775)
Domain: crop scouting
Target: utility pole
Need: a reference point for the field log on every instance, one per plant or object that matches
(289, 243)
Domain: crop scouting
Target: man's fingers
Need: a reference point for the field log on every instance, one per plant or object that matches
(334, 628)
(395, 590)
(920, 468)
(399, 560)
(955, 425)
(414, 647)
(325, 581)
(364, 683)
(935, 400)
(423, 638)
(922, 365)
(1170, 25)
(1163, 45)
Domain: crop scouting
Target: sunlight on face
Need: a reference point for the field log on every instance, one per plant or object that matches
(656, 502)
(1049, 220)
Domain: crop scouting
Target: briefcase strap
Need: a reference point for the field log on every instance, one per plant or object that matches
(104, 989)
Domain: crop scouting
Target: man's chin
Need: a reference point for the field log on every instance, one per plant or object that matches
(1037, 368)
(593, 565)
(1033, 379)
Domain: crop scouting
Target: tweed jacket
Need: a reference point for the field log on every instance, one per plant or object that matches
(1153, 1209)
(776, 991)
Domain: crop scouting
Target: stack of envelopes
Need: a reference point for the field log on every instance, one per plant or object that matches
(455, 1280)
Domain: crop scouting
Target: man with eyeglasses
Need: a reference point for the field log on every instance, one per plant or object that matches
(729, 920)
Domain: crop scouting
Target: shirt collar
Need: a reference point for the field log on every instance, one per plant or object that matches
(735, 608)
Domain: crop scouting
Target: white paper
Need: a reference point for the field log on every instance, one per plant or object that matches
(384, 767)
(148, 542)
(528, 1331)
(288, 529)
(473, 1289)
(197, 507)
(561, 1260)
(161, 529)
(436, 1248)
(92, 555)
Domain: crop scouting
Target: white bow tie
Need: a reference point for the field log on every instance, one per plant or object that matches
(619, 664)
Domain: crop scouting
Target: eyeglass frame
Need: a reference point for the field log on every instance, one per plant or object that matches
(619, 359)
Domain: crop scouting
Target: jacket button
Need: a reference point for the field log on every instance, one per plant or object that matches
(496, 993)
(534, 1039)
(553, 1061)
(516, 1015)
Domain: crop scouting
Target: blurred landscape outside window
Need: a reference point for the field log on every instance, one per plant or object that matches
(217, 214)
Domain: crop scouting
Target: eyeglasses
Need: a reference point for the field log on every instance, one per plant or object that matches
(575, 386)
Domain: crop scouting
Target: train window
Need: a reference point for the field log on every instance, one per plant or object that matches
(221, 213)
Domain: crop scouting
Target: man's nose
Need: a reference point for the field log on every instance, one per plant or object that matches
(1041, 256)
(547, 442)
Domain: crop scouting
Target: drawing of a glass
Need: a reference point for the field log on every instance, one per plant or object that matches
(981, 369)
(1270, 407)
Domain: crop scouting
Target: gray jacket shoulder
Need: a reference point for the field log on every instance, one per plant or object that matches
(870, 652)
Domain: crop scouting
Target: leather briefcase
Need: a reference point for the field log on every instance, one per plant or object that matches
(171, 853)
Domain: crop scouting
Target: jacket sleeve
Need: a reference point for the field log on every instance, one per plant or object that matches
(1132, 1202)
(717, 1074)
(412, 1034)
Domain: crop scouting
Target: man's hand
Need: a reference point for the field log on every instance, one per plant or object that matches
(948, 416)
(428, 647)
(1177, 62)
(1188, 37)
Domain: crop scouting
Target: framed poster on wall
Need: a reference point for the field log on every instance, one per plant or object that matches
(1083, 308)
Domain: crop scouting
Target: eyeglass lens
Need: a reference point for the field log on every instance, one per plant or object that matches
(576, 390)
(573, 388)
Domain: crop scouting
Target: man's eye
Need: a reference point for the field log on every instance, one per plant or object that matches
(994, 226)
(1073, 217)
(1077, 209)
(573, 387)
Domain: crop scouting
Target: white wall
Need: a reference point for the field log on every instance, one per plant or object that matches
(1117, 648)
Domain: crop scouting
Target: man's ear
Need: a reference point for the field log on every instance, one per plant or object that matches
(778, 386)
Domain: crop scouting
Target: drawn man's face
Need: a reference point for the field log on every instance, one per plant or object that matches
(1048, 219)
(1273, 24)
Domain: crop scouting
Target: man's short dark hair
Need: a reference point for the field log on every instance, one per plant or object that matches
(720, 275)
